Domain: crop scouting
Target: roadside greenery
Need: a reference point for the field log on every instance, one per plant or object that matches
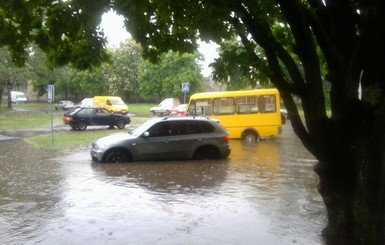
(68, 140)
(127, 75)
(71, 139)
(37, 115)
(11, 120)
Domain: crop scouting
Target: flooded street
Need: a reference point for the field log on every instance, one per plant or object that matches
(263, 194)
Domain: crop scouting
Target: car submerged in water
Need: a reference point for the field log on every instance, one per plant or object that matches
(167, 138)
(82, 117)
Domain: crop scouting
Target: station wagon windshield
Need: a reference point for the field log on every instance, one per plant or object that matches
(142, 128)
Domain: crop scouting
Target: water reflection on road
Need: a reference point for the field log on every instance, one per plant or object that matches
(262, 194)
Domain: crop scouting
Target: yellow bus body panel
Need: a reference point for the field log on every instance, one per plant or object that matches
(266, 124)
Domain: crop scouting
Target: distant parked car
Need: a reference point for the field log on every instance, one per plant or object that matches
(180, 110)
(82, 117)
(165, 138)
(165, 107)
(64, 105)
(86, 102)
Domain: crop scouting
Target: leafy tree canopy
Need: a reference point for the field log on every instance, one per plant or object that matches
(235, 68)
(67, 31)
(122, 74)
(165, 78)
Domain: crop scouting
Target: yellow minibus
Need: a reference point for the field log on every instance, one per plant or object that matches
(248, 115)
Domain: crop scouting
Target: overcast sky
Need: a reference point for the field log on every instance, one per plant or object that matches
(116, 33)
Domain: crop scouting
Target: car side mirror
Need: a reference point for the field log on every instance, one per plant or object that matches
(146, 134)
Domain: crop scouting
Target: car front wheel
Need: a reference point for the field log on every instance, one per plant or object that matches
(116, 157)
(121, 124)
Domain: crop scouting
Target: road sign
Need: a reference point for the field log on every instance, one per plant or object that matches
(50, 93)
(185, 87)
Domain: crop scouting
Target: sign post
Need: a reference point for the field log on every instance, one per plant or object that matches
(185, 89)
(51, 99)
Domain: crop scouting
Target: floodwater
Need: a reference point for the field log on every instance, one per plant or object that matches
(263, 194)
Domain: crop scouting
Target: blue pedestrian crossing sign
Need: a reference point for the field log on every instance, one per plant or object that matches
(50, 93)
(185, 87)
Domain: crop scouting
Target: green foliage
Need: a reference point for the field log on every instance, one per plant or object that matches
(65, 30)
(9, 73)
(87, 83)
(237, 69)
(11, 76)
(164, 79)
(122, 74)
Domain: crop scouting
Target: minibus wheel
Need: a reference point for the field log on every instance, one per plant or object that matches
(250, 137)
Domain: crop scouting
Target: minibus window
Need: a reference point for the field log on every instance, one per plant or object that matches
(267, 104)
(202, 108)
(247, 104)
(224, 106)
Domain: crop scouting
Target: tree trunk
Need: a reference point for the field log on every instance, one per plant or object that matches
(352, 187)
(1, 95)
(9, 99)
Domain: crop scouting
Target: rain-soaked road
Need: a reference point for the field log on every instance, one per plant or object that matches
(263, 194)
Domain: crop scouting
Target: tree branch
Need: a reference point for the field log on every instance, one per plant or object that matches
(261, 34)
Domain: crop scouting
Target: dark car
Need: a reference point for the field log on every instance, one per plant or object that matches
(82, 117)
(168, 138)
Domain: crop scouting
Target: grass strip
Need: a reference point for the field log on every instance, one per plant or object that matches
(70, 139)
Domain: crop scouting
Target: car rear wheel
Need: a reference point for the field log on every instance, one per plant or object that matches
(121, 124)
(206, 154)
(116, 157)
(82, 125)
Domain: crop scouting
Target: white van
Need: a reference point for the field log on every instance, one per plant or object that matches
(165, 107)
(86, 102)
(18, 97)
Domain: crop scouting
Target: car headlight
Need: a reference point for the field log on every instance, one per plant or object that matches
(98, 146)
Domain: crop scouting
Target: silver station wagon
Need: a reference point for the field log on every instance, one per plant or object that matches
(165, 138)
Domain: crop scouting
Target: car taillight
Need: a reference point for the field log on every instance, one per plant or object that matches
(226, 138)
(68, 119)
